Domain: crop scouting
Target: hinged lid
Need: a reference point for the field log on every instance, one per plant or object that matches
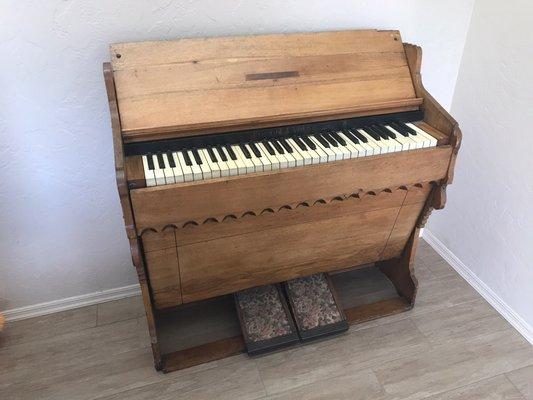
(219, 83)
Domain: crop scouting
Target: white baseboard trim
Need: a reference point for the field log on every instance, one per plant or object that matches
(486, 292)
(70, 303)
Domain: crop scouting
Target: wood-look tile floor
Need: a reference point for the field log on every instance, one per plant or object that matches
(452, 345)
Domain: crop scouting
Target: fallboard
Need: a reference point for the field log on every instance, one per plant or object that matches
(194, 86)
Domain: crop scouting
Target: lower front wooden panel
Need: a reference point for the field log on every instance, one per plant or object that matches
(229, 264)
(163, 273)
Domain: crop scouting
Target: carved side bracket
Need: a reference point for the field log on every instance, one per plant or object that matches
(436, 116)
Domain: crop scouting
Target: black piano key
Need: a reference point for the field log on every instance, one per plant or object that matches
(245, 151)
(269, 148)
(330, 139)
(278, 147)
(150, 160)
(212, 154)
(222, 153)
(255, 150)
(350, 135)
(300, 143)
(309, 142)
(286, 145)
(196, 156)
(408, 128)
(359, 136)
(338, 138)
(390, 133)
(171, 160)
(231, 152)
(322, 141)
(187, 158)
(160, 161)
(400, 129)
(381, 134)
(384, 131)
(374, 135)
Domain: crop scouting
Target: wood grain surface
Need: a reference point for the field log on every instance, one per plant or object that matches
(161, 86)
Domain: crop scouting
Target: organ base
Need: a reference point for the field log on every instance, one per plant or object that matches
(209, 330)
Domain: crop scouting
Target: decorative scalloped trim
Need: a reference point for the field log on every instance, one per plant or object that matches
(358, 195)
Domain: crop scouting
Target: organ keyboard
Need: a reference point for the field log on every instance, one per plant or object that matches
(209, 160)
(254, 160)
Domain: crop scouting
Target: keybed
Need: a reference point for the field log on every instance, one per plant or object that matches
(246, 157)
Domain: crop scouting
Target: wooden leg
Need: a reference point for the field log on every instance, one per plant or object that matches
(138, 262)
(400, 270)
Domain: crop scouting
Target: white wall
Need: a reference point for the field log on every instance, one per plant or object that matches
(488, 221)
(61, 227)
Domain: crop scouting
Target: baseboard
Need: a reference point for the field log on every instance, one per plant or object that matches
(70, 303)
(486, 292)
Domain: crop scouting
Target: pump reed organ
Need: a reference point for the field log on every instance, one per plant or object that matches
(243, 161)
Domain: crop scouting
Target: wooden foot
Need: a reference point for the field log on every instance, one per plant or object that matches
(368, 312)
(400, 270)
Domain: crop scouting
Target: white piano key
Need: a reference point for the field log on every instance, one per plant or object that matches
(313, 156)
(377, 149)
(394, 145)
(307, 158)
(248, 164)
(258, 165)
(346, 152)
(432, 140)
(291, 162)
(187, 170)
(158, 172)
(350, 145)
(282, 160)
(204, 166)
(233, 169)
(179, 175)
(239, 162)
(274, 162)
(322, 155)
(196, 170)
(331, 156)
(213, 166)
(297, 153)
(419, 141)
(169, 173)
(406, 142)
(367, 149)
(223, 165)
(149, 176)
(267, 164)
(339, 154)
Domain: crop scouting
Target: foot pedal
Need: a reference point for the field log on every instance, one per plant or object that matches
(315, 307)
(266, 321)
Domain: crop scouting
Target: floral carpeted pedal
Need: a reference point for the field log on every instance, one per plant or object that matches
(266, 321)
(315, 307)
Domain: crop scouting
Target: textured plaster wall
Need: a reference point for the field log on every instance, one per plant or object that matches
(61, 226)
(488, 221)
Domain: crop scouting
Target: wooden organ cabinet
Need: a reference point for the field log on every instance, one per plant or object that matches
(201, 229)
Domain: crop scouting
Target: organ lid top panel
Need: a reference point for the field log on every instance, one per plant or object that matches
(213, 84)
